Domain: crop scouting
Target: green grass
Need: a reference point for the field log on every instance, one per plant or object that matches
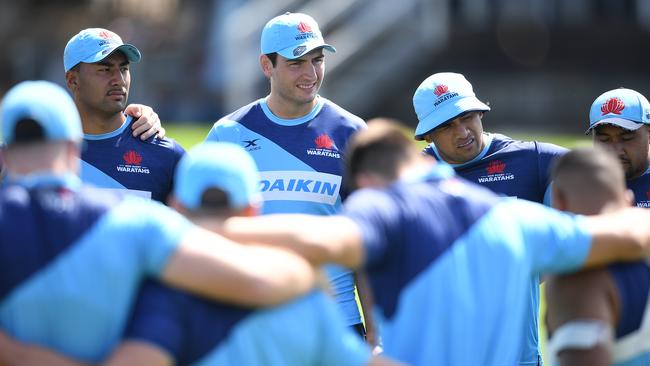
(190, 134)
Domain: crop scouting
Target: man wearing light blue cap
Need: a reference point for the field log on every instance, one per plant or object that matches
(73, 257)
(96, 63)
(619, 119)
(450, 120)
(296, 136)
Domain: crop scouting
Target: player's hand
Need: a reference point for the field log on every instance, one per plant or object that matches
(146, 123)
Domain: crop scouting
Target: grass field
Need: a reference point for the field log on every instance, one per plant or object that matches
(190, 134)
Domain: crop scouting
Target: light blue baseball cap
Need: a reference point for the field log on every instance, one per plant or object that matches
(95, 44)
(221, 165)
(625, 108)
(442, 97)
(45, 103)
(292, 35)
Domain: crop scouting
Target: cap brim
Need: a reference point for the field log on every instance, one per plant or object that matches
(130, 51)
(448, 113)
(618, 122)
(302, 49)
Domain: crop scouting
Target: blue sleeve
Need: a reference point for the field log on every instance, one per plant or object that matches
(225, 130)
(157, 318)
(157, 230)
(546, 154)
(378, 219)
(340, 345)
(555, 241)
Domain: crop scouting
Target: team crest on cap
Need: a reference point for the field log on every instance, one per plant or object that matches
(304, 27)
(105, 34)
(612, 105)
(440, 89)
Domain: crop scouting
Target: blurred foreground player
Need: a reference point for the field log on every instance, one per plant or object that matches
(600, 316)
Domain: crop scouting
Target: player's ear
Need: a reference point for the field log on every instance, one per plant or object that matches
(266, 65)
(72, 80)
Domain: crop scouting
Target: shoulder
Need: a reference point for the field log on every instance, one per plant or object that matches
(345, 118)
(166, 144)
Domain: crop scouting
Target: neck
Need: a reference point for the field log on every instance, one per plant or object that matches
(96, 123)
(286, 110)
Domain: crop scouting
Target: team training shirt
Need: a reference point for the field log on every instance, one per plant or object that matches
(632, 345)
(450, 266)
(72, 260)
(306, 331)
(641, 188)
(519, 169)
(117, 160)
(301, 166)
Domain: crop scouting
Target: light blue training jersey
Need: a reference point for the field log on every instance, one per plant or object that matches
(450, 266)
(301, 167)
(72, 261)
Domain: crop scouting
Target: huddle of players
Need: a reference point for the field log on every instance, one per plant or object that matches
(449, 117)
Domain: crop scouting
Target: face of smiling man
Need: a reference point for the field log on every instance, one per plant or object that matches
(294, 83)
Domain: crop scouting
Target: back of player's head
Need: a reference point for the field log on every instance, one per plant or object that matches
(588, 179)
(625, 108)
(95, 44)
(380, 150)
(35, 111)
(442, 97)
(217, 177)
(292, 35)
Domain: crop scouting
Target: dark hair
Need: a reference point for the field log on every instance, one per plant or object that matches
(28, 130)
(380, 150)
(214, 202)
(273, 57)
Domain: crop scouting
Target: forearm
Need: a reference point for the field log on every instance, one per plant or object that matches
(16, 353)
(245, 275)
(318, 239)
(620, 236)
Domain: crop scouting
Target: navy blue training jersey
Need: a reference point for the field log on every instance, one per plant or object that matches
(641, 188)
(632, 345)
(301, 167)
(72, 260)
(510, 167)
(450, 266)
(306, 331)
(119, 161)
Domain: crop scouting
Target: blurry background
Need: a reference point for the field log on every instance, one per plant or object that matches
(539, 63)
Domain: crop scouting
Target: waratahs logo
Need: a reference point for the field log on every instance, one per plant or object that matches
(496, 167)
(132, 157)
(440, 89)
(323, 142)
(612, 106)
(305, 31)
(496, 172)
(132, 163)
(324, 147)
(304, 27)
(107, 37)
